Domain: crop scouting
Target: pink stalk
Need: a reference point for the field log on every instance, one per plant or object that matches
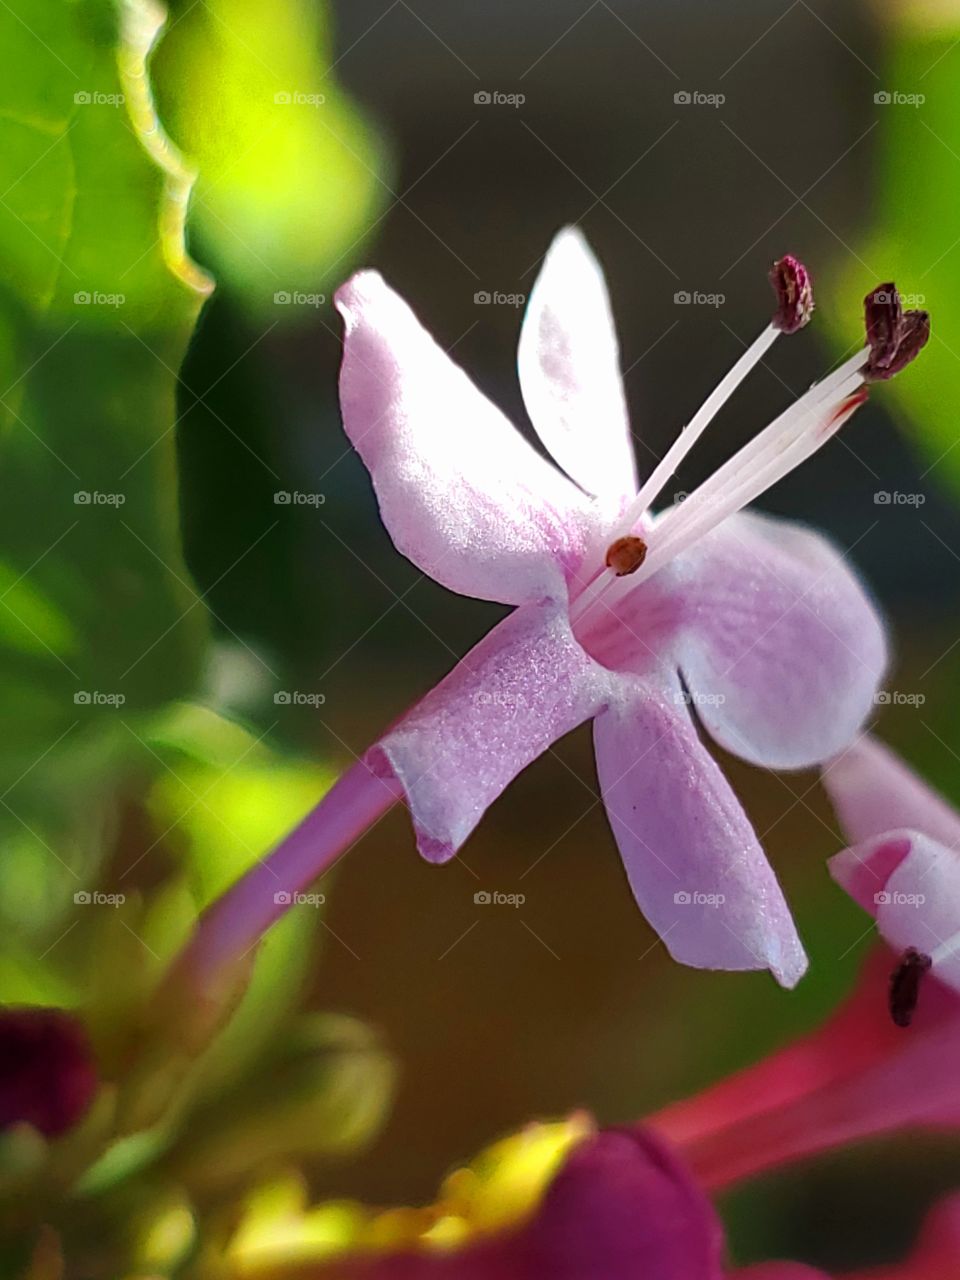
(231, 927)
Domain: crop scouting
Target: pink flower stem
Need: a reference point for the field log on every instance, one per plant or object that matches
(231, 926)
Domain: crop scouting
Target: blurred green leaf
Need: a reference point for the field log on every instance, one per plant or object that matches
(912, 237)
(289, 172)
(98, 622)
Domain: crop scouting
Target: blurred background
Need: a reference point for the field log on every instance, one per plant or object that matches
(445, 144)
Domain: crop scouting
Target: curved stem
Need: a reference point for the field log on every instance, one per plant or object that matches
(232, 925)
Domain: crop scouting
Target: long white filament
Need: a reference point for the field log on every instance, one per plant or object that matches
(783, 445)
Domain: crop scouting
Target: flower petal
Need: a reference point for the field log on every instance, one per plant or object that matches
(916, 894)
(462, 494)
(692, 858)
(855, 1076)
(874, 791)
(569, 368)
(786, 650)
(622, 1207)
(520, 689)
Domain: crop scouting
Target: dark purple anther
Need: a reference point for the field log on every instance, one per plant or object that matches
(47, 1072)
(794, 289)
(895, 336)
(883, 316)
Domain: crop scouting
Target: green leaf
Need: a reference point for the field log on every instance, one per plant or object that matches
(289, 172)
(912, 235)
(98, 622)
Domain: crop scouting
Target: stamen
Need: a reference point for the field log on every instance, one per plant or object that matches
(905, 985)
(626, 555)
(794, 290)
(688, 437)
(792, 285)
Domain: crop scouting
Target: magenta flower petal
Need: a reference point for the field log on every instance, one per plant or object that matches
(570, 372)
(48, 1073)
(622, 1207)
(873, 791)
(856, 1076)
(523, 686)
(784, 651)
(780, 1271)
(693, 861)
(463, 495)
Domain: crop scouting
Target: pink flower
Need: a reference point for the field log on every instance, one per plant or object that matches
(904, 867)
(621, 615)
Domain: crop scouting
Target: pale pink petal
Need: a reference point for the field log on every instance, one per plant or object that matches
(462, 494)
(515, 693)
(783, 650)
(873, 791)
(569, 367)
(916, 894)
(692, 858)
